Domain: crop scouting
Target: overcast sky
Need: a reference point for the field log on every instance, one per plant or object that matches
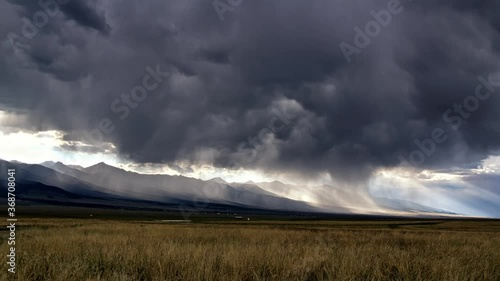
(393, 98)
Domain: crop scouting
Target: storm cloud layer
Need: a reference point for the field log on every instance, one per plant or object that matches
(265, 88)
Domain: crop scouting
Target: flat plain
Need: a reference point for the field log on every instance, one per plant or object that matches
(106, 248)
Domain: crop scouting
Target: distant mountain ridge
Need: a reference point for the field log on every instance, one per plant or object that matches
(103, 184)
(105, 181)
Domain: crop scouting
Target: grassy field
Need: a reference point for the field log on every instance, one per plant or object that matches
(91, 249)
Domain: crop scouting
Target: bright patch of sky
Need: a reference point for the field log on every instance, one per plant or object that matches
(43, 146)
(446, 191)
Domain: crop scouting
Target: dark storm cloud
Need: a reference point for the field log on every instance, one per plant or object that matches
(81, 11)
(268, 87)
(84, 14)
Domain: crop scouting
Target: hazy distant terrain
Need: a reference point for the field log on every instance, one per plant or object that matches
(102, 185)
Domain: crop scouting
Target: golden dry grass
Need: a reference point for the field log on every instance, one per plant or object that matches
(59, 249)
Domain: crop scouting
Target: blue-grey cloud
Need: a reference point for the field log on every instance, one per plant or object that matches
(268, 87)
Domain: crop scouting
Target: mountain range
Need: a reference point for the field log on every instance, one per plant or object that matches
(102, 185)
